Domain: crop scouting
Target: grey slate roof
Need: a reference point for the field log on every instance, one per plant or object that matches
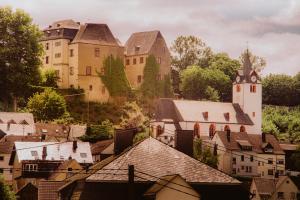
(143, 40)
(157, 159)
(67, 23)
(95, 34)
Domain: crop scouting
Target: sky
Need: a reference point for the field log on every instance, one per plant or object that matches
(271, 28)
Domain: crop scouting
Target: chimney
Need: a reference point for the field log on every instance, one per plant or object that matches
(228, 132)
(123, 139)
(184, 141)
(263, 137)
(74, 145)
(8, 126)
(44, 154)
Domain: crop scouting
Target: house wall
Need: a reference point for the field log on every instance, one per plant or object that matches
(75, 166)
(133, 71)
(7, 169)
(251, 103)
(172, 194)
(288, 188)
(263, 165)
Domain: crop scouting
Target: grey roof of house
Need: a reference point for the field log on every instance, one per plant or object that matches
(77, 131)
(95, 34)
(8, 141)
(268, 186)
(190, 110)
(67, 23)
(143, 40)
(55, 151)
(157, 159)
(48, 190)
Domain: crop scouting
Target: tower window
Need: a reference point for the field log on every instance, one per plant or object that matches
(88, 70)
(253, 88)
(127, 62)
(47, 46)
(97, 52)
(238, 88)
(212, 129)
(47, 59)
(242, 129)
(141, 60)
(71, 52)
(134, 61)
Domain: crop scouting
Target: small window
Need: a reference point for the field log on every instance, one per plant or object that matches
(71, 71)
(70, 169)
(34, 153)
(270, 160)
(238, 88)
(57, 44)
(1, 158)
(139, 79)
(252, 88)
(141, 60)
(97, 52)
(242, 158)
(242, 167)
(88, 70)
(253, 114)
(83, 155)
(226, 128)
(280, 195)
(233, 171)
(234, 160)
(242, 129)
(103, 89)
(47, 59)
(280, 161)
(1, 171)
(90, 87)
(270, 172)
(250, 169)
(251, 158)
(47, 46)
(134, 61)
(258, 163)
(57, 55)
(71, 52)
(127, 62)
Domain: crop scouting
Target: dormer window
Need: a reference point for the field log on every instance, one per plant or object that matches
(58, 25)
(205, 115)
(267, 148)
(137, 48)
(227, 116)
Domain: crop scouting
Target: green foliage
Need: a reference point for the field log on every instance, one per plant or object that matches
(212, 94)
(166, 87)
(49, 78)
(187, 51)
(96, 133)
(114, 77)
(205, 154)
(5, 192)
(20, 53)
(47, 106)
(151, 86)
(282, 122)
(280, 89)
(195, 82)
(133, 116)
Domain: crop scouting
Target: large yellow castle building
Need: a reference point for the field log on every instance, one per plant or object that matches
(76, 52)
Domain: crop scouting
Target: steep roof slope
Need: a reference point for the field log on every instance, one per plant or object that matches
(157, 159)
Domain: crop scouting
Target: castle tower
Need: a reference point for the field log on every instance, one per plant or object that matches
(247, 92)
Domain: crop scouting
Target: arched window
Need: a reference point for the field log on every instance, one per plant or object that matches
(242, 129)
(212, 130)
(226, 128)
(197, 130)
(159, 130)
(238, 88)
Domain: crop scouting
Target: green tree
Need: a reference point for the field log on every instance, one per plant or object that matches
(188, 50)
(279, 89)
(95, 133)
(204, 154)
(48, 105)
(5, 192)
(195, 81)
(20, 53)
(212, 94)
(49, 78)
(294, 130)
(114, 77)
(166, 87)
(151, 86)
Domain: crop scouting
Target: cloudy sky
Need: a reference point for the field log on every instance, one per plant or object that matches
(271, 27)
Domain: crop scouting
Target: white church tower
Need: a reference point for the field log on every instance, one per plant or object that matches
(247, 92)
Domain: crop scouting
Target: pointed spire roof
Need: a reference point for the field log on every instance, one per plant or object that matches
(247, 65)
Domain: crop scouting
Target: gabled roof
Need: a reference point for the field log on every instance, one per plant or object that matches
(157, 159)
(17, 117)
(268, 186)
(190, 110)
(64, 167)
(255, 140)
(99, 146)
(95, 34)
(48, 190)
(141, 40)
(7, 142)
(51, 129)
(55, 151)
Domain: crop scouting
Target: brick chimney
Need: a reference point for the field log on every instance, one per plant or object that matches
(74, 146)
(123, 139)
(8, 126)
(44, 153)
(228, 133)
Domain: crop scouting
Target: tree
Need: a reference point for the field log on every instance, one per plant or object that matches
(5, 192)
(166, 87)
(295, 159)
(49, 78)
(294, 130)
(195, 81)
(48, 105)
(20, 53)
(204, 154)
(151, 86)
(114, 77)
(279, 89)
(258, 63)
(187, 51)
(95, 133)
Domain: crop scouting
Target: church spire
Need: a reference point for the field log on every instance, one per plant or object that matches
(247, 65)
